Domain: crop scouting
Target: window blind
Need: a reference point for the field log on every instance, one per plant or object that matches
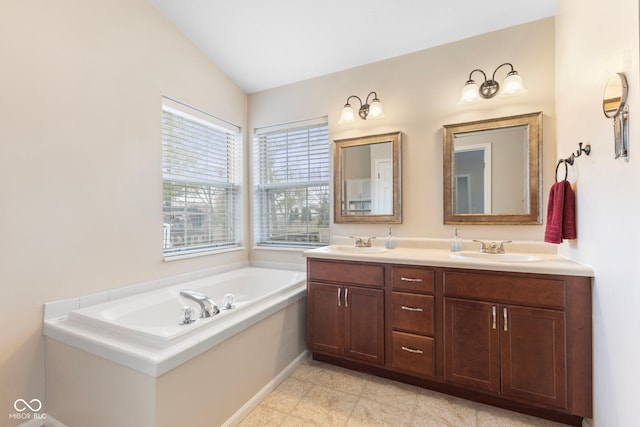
(291, 173)
(200, 176)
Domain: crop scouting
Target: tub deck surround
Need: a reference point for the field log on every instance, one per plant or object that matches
(141, 331)
(435, 253)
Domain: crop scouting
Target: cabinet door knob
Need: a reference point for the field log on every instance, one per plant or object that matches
(404, 307)
(346, 297)
(412, 350)
(339, 302)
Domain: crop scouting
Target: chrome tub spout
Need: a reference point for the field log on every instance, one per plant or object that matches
(207, 306)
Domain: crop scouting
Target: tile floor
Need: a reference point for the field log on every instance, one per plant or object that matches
(319, 394)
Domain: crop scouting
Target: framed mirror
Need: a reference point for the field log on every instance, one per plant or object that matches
(492, 172)
(366, 179)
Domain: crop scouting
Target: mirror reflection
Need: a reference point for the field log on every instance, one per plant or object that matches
(491, 171)
(615, 95)
(367, 179)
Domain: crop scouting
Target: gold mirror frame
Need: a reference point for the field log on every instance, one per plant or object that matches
(533, 122)
(339, 199)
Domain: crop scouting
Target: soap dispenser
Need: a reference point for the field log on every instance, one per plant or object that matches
(456, 241)
(389, 240)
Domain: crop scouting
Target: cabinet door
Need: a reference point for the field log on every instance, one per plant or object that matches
(325, 318)
(364, 324)
(471, 344)
(533, 355)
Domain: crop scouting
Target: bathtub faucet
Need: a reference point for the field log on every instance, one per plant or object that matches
(209, 308)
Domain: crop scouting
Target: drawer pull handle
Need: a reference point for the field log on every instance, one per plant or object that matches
(411, 350)
(409, 279)
(404, 307)
(493, 316)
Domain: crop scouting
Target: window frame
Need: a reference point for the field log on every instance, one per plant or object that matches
(217, 168)
(262, 227)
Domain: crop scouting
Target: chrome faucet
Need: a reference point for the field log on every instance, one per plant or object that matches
(361, 243)
(208, 307)
(492, 247)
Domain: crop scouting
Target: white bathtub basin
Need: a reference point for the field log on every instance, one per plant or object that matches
(152, 318)
(480, 256)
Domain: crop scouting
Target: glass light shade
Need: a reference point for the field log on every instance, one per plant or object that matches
(375, 109)
(469, 93)
(347, 114)
(512, 85)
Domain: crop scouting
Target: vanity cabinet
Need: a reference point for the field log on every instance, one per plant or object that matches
(507, 335)
(511, 350)
(521, 341)
(412, 320)
(345, 310)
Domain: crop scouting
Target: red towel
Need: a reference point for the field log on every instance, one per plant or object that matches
(561, 213)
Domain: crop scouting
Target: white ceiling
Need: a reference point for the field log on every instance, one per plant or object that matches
(261, 44)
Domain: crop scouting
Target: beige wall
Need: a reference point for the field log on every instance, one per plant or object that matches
(420, 94)
(80, 155)
(592, 43)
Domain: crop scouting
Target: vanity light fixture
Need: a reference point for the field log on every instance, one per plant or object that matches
(512, 85)
(371, 110)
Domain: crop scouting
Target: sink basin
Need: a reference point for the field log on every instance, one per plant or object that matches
(479, 256)
(353, 249)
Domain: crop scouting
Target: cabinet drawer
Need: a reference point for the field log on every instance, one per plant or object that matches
(505, 288)
(413, 353)
(346, 272)
(412, 279)
(412, 312)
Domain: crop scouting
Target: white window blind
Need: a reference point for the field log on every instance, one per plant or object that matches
(200, 176)
(292, 184)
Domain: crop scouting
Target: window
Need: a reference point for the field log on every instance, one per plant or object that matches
(292, 182)
(200, 177)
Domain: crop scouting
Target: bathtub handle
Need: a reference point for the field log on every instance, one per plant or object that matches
(339, 302)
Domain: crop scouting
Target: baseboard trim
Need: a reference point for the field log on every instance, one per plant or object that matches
(48, 421)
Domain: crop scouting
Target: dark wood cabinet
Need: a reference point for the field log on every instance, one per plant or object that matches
(533, 355)
(517, 351)
(364, 324)
(516, 340)
(344, 319)
(471, 344)
(511, 350)
(412, 320)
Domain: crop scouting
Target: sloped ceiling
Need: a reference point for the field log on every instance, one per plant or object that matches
(261, 44)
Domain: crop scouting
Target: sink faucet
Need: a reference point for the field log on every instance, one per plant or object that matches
(361, 243)
(209, 308)
(492, 247)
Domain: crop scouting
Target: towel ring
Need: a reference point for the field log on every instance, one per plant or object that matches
(566, 169)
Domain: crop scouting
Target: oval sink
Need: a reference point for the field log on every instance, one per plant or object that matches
(353, 249)
(479, 256)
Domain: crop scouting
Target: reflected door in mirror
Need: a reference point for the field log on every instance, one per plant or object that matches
(367, 179)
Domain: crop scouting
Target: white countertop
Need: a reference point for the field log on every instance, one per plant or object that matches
(433, 255)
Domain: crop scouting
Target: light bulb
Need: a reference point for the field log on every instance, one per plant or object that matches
(469, 93)
(512, 85)
(347, 114)
(375, 109)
